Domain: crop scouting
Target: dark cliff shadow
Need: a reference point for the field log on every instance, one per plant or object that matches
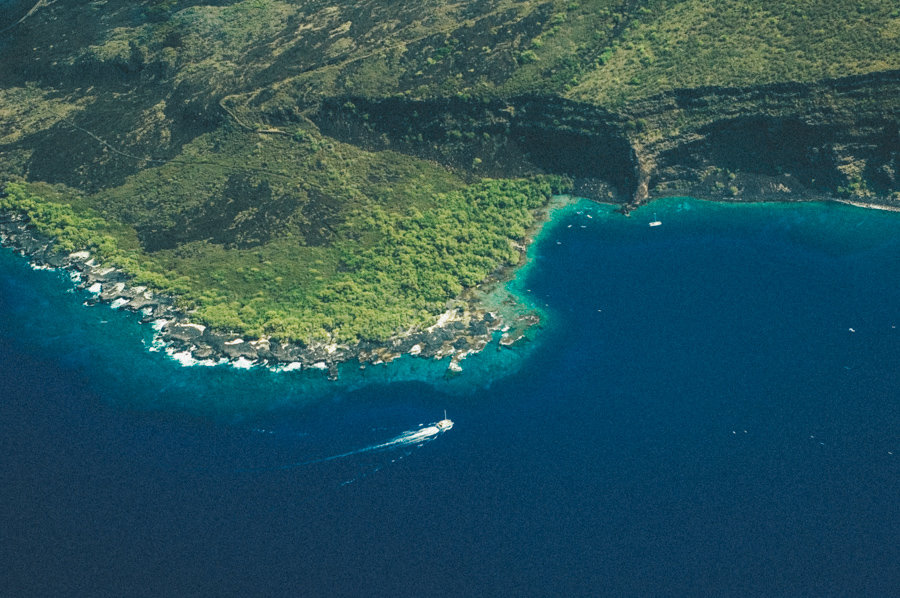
(515, 137)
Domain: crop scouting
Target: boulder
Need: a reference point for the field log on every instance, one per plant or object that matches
(187, 333)
(237, 349)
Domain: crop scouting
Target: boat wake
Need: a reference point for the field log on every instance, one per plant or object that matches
(409, 438)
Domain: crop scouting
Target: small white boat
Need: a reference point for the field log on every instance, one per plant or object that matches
(655, 221)
(445, 424)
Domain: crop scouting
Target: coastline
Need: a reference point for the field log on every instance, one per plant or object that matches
(499, 294)
(868, 205)
(496, 311)
(469, 324)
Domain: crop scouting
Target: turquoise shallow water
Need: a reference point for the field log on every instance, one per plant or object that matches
(695, 416)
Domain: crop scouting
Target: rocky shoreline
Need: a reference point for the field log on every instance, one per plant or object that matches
(465, 328)
(459, 332)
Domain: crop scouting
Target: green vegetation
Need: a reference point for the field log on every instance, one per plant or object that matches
(183, 140)
(71, 231)
(78, 230)
(387, 271)
(723, 42)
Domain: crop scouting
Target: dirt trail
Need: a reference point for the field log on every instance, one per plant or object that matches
(34, 9)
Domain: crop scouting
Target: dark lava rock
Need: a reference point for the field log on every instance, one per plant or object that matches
(182, 332)
(241, 349)
(113, 276)
(217, 340)
(140, 302)
(283, 353)
(112, 292)
(480, 328)
(160, 311)
(203, 352)
(31, 246)
(57, 260)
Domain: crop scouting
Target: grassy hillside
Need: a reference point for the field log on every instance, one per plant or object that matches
(722, 42)
(184, 138)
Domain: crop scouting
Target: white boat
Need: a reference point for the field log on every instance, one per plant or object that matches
(655, 221)
(445, 424)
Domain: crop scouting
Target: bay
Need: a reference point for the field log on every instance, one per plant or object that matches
(710, 407)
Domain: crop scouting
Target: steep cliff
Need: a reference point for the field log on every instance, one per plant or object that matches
(834, 138)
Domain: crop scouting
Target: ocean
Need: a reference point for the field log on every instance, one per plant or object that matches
(710, 407)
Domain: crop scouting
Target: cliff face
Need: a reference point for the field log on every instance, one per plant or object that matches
(837, 137)
(786, 141)
(521, 136)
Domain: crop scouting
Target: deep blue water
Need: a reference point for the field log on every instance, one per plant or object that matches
(696, 417)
